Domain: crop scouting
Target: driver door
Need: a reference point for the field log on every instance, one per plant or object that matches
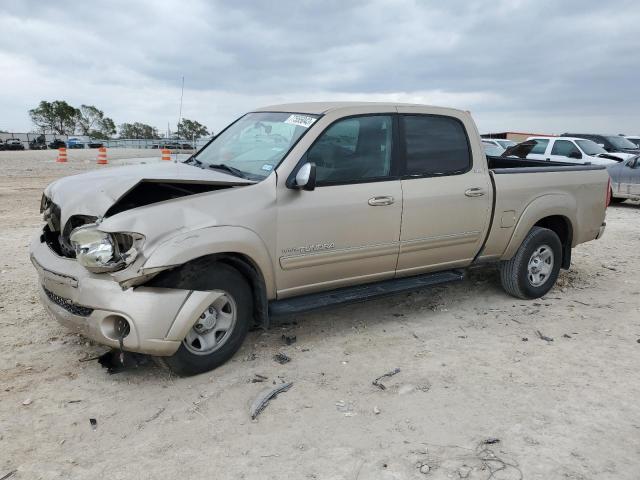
(346, 230)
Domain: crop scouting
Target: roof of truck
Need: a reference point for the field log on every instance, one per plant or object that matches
(319, 108)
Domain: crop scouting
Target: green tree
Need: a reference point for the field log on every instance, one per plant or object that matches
(138, 130)
(55, 117)
(92, 122)
(190, 129)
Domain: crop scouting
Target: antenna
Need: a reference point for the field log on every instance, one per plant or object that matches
(181, 97)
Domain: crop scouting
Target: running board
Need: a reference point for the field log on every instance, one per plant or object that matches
(360, 293)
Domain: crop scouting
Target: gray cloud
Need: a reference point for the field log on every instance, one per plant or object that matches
(518, 65)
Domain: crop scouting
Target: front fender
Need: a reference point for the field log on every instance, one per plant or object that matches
(547, 205)
(211, 240)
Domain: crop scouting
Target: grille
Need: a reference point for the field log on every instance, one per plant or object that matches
(69, 306)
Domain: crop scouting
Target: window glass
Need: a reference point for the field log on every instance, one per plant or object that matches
(435, 145)
(352, 150)
(590, 148)
(564, 148)
(540, 147)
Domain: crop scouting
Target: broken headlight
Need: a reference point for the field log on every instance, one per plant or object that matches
(100, 251)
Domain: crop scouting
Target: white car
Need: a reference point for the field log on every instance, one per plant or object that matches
(571, 150)
(499, 142)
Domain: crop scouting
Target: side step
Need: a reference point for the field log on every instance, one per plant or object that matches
(361, 293)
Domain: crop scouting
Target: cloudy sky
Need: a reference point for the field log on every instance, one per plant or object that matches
(539, 66)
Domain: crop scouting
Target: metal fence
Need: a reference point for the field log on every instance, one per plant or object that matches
(27, 138)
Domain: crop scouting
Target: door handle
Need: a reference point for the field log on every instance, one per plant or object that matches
(474, 192)
(380, 201)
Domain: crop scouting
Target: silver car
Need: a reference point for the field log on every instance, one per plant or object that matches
(625, 180)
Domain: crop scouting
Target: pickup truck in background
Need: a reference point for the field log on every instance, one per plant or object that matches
(297, 207)
(564, 149)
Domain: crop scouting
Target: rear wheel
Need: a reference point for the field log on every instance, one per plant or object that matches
(220, 329)
(534, 269)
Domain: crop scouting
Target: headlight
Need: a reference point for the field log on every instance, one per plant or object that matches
(99, 251)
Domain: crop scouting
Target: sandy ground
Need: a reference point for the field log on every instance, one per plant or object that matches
(472, 368)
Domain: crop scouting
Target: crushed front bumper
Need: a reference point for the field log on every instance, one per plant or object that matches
(90, 304)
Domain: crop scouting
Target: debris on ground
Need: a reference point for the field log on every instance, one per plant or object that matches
(381, 386)
(151, 418)
(10, 474)
(541, 336)
(257, 378)
(566, 335)
(116, 361)
(281, 358)
(263, 398)
(94, 423)
(289, 339)
(491, 441)
(376, 411)
(525, 339)
(345, 407)
(28, 401)
(424, 468)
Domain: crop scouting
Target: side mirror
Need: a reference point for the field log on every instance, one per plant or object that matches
(305, 179)
(576, 155)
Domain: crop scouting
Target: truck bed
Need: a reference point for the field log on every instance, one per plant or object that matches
(519, 165)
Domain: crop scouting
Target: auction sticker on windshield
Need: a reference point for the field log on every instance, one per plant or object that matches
(300, 120)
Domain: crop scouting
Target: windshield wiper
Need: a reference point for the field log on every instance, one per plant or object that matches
(233, 171)
(194, 160)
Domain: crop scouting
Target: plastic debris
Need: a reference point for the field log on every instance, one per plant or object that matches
(263, 398)
(28, 401)
(94, 424)
(543, 337)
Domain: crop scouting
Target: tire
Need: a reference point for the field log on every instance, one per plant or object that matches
(192, 357)
(528, 274)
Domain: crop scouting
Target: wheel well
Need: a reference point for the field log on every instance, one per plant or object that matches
(182, 276)
(563, 228)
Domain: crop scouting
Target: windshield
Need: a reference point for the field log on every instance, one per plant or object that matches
(254, 145)
(620, 142)
(590, 148)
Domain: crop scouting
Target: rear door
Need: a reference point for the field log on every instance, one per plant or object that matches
(446, 198)
(538, 152)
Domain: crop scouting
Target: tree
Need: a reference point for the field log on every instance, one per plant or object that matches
(56, 117)
(138, 130)
(190, 129)
(92, 122)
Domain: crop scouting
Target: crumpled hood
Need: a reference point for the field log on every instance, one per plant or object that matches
(94, 192)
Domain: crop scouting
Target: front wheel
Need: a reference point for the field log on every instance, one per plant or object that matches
(534, 269)
(220, 329)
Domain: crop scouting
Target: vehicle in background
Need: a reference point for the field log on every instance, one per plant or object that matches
(499, 142)
(57, 143)
(38, 143)
(492, 149)
(634, 139)
(611, 143)
(625, 180)
(73, 143)
(13, 144)
(95, 143)
(562, 149)
(297, 207)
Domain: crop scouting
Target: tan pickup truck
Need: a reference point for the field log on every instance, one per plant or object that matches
(297, 207)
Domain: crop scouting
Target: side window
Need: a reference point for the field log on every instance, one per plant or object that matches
(540, 147)
(353, 150)
(564, 148)
(435, 145)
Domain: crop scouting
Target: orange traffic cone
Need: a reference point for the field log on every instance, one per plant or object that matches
(62, 155)
(166, 154)
(102, 156)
